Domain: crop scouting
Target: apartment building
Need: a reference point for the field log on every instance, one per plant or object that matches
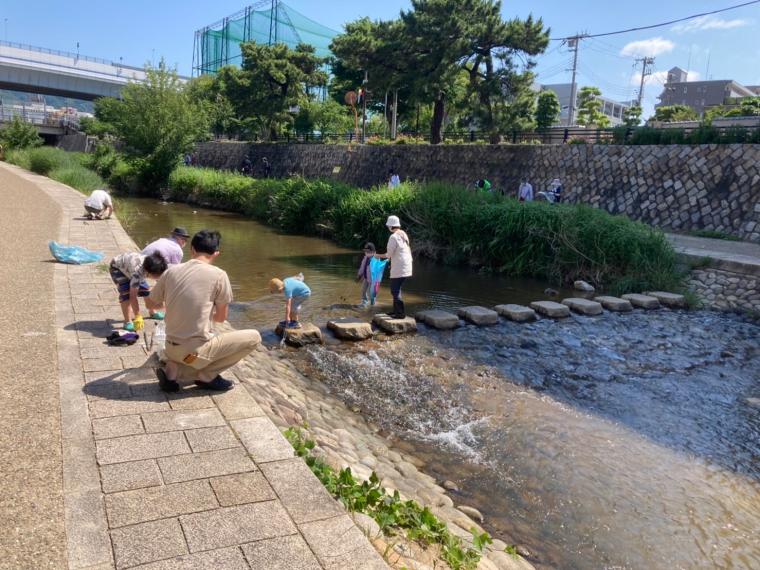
(699, 95)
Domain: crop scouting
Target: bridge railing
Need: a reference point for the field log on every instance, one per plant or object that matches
(39, 117)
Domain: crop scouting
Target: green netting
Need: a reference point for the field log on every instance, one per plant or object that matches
(219, 45)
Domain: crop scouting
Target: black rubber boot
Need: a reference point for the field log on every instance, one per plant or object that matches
(398, 309)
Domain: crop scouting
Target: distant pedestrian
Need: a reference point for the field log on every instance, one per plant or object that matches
(556, 188)
(483, 184)
(525, 193)
(399, 251)
(296, 294)
(266, 167)
(394, 181)
(188, 159)
(247, 167)
(171, 247)
(98, 205)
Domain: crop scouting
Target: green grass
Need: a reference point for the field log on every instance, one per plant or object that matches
(451, 224)
(713, 235)
(65, 167)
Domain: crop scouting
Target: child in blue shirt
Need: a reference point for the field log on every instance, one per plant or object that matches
(296, 293)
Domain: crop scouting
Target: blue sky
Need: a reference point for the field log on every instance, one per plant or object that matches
(142, 30)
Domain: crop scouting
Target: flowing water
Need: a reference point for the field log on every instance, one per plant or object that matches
(617, 441)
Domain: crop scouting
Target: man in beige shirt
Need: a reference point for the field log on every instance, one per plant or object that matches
(197, 294)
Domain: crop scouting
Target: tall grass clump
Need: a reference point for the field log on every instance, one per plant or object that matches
(449, 223)
(65, 167)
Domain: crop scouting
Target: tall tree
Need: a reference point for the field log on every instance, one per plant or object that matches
(590, 108)
(632, 116)
(547, 109)
(675, 113)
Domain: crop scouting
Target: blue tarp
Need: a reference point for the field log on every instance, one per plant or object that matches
(73, 254)
(376, 269)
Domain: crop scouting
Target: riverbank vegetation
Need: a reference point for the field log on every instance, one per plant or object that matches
(452, 224)
(70, 168)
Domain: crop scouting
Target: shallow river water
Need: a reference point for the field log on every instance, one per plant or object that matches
(617, 441)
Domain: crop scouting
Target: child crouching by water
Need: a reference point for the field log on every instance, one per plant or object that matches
(364, 275)
(296, 293)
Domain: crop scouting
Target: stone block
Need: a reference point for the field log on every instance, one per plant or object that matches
(517, 313)
(128, 407)
(438, 319)
(583, 306)
(153, 503)
(226, 559)
(285, 553)
(300, 492)
(307, 334)
(349, 328)
(671, 300)
(136, 447)
(179, 420)
(238, 405)
(128, 476)
(642, 301)
(263, 440)
(147, 542)
(394, 326)
(211, 439)
(550, 309)
(201, 465)
(242, 488)
(615, 304)
(479, 316)
(339, 544)
(190, 400)
(230, 526)
(583, 286)
(118, 426)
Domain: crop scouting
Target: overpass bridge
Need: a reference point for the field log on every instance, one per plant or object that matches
(51, 72)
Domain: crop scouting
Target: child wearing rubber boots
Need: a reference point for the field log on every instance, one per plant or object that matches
(296, 293)
(128, 272)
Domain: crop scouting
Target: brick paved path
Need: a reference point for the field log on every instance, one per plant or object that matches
(180, 481)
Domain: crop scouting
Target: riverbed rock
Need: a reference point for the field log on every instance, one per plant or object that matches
(394, 326)
(438, 319)
(671, 300)
(471, 512)
(642, 301)
(349, 328)
(450, 486)
(614, 304)
(367, 525)
(583, 286)
(517, 313)
(550, 309)
(307, 334)
(583, 306)
(479, 316)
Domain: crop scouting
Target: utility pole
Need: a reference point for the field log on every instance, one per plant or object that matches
(573, 43)
(364, 107)
(646, 69)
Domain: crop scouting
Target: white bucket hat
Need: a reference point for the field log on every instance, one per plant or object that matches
(393, 222)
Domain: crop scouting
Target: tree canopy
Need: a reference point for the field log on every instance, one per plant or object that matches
(675, 113)
(590, 108)
(547, 109)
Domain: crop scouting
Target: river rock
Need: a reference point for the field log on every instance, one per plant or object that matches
(583, 286)
(307, 334)
(517, 313)
(441, 320)
(642, 301)
(550, 309)
(450, 486)
(583, 306)
(349, 328)
(394, 326)
(672, 300)
(471, 512)
(479, 315)
(614, 304)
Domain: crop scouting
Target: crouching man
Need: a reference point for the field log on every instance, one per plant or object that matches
(197, 294)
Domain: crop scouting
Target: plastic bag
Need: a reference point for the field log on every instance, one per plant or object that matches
(376, 269)
(73, 254)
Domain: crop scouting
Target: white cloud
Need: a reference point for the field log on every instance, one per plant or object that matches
(658, 78)
(648, 48)
(708, 23)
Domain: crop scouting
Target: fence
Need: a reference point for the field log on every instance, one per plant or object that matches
(39, 117)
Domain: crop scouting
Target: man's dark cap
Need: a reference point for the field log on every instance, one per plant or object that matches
(180, 232)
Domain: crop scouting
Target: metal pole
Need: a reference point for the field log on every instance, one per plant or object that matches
(385, 113)
(645, 62)
(573, 42)
(394, 122)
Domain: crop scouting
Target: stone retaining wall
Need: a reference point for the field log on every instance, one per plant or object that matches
(726, 290)
(676, 187)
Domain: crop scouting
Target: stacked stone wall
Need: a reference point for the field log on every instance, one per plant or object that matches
(726, 290)
(675, 187)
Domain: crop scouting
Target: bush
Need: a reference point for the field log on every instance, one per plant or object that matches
(65, 167)
(19, 135)
(78, 177)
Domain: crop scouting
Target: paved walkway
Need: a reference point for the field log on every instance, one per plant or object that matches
(180, 481)
(738, 256)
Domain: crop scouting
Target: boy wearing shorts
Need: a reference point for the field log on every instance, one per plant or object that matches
(296, 293)
(128, 272)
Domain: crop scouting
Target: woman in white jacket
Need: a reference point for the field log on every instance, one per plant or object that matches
(399, 252)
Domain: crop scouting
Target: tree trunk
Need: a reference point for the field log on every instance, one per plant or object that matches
(436, 128)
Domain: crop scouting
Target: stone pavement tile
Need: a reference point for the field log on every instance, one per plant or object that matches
(238, 404)
(143, 361)
(225, 559)
(340, 545)
(242, 488)
(118, 426)
(179, 420)
(130, 377)
(100, 364)
(284, 553)
(147, 542)
(211, 439)
(131, 475)
(201, 465)
(86, 530)
(127, 407)
(262, 439)
(136, 447)
(301, 493)
(229, 526)
(107, 391)
(189, 400)
(143, 505)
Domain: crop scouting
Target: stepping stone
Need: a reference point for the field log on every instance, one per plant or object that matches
(615, 304)
(550, 309)
(583, 286)
(479, 316)
(438, 319)
(394, 326)
(583, 306)
(672, 300)
(517, 313)
(307, 334)
(349, 328)
(642, 301)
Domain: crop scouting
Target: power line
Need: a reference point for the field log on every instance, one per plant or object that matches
(660, 24)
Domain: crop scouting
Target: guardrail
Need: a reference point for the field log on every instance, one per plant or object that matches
(40, 117)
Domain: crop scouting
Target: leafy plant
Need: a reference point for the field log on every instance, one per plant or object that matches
(590, 108)
(19, 135)
(547, 109)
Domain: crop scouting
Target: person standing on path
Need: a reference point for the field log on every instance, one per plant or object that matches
(171, 247)
(98, 205)
(526, 191)
(399, 251)
(197, 294)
